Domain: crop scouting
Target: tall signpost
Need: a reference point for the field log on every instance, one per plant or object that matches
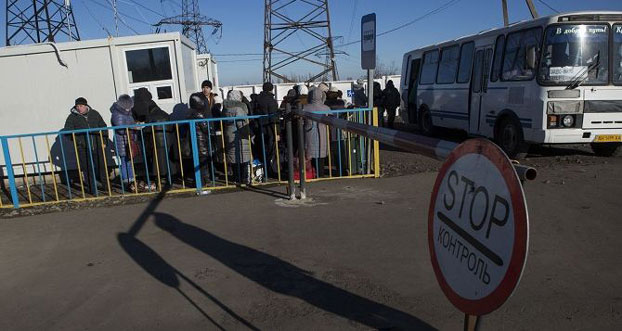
(368, 53)
(478, 229)
(368, 61)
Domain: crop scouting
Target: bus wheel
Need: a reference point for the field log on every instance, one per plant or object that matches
(425, 122)
(606, 149)
(509, 136)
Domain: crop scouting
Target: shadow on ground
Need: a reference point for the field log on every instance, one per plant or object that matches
(266, 270)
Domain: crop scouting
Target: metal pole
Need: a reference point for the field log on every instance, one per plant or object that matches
(472, 322)
(195, 157)
(370, 88)
(504, 4)
(301, 158)
(9, 172)
(532, 9)
(291, 190)
(370, 104)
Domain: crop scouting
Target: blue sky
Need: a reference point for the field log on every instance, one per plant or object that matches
(243, 27)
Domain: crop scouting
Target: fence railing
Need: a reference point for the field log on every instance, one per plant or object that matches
(177, 156)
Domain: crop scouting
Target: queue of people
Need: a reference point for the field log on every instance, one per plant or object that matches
(155, 154)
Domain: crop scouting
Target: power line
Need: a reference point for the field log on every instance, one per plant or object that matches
(549, 6)
(145, 7)
(430, 13)
(88, 10)
(352, 19)
(121, 18)
(124, 15)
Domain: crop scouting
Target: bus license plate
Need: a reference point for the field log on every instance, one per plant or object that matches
(607, 138)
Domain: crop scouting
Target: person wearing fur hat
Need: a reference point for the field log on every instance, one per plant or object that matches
(81, 117)
(121, 116)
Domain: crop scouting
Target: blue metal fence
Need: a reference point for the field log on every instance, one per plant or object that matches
(165, 156)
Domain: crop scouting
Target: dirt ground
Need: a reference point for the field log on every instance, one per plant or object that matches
(353, 257)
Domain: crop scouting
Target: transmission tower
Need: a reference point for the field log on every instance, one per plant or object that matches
(279, 27)
(38, 21)
(192, 23)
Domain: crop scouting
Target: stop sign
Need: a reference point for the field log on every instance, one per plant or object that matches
(478, 227)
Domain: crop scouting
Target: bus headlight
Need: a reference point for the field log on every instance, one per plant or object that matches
(568, 121)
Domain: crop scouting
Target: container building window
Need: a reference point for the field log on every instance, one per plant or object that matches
(147, 65)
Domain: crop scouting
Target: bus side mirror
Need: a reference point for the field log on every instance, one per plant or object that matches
(530, 57)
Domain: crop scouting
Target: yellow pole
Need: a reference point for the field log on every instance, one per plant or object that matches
(21, 151)
(75, 148)
(278, 161)
(181, 163)
(47, 143)
(376, 146)
(101, 137)
(250, 146)
(129, 146)
(155, 151)
(224, 153)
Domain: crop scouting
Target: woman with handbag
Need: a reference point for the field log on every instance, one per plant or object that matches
(125, 145)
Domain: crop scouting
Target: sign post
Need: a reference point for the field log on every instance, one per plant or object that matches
(368, 53)
(478, 230)
(368, 61)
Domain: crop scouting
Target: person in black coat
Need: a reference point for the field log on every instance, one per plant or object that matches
(212, 102)
(391, 100)
(199, 111)
(145, 110)
(267, 105)
(88, 145)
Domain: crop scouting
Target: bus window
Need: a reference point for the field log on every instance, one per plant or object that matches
(466, 62)
(448, 65)
(575, 53)
(515, 66)
(617, 54)
(496, 66)
(430, 66)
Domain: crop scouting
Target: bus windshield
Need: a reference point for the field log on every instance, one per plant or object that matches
(575, 54)
(617, 54)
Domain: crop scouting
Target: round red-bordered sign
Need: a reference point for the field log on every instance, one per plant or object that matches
(484, 221)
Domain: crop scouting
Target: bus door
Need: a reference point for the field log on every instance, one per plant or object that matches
(479, 86)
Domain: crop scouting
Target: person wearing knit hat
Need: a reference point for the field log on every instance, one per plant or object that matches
(81, 117)
(213, 103)
(125, 146)
(267, 87)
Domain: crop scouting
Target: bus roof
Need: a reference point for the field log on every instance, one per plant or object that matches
(578, 16)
